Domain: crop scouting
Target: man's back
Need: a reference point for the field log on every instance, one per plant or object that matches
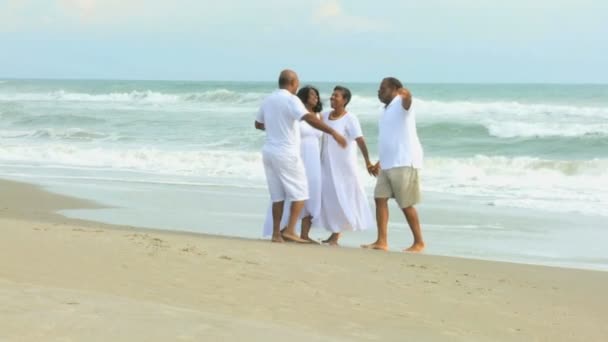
(280, 113)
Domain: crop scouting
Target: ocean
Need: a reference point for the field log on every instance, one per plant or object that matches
(512, 172)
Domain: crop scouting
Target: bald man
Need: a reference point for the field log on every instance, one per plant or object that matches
(279, 116)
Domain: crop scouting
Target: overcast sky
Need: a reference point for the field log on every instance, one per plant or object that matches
(559, 41)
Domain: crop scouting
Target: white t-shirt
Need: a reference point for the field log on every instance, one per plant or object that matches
(398, 142)
(281, 113)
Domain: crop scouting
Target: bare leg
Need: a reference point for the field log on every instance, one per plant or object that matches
(306, 224)
(277, 213)
(289, 233)
(332, 240)
(382, 222)
(411, 215)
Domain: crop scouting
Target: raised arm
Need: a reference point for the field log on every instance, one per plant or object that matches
(406, 97)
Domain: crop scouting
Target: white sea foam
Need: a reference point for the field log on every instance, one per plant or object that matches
(504, 119)
(554, 185)
(141, 97)
(152, 160)
(578, 186)
(69, 134)
(522, 129)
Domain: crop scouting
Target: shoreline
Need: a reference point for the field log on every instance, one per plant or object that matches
(48, 212)
(65, 278)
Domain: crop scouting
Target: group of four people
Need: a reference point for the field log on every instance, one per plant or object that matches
(310, 161)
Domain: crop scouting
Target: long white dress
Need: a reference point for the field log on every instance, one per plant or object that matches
(344, 204)
(310, 152)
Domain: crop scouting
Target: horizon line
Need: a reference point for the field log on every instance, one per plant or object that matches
(273, 81)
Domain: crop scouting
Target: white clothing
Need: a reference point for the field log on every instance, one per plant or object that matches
(398, 143)
(280, 113)
(311, 156)
(344, 204)
(285, 176)
(310, 153)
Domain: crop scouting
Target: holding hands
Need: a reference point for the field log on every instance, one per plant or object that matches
(373, 169)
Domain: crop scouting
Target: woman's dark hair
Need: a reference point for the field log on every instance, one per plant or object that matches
(345, 93)
(304, 94)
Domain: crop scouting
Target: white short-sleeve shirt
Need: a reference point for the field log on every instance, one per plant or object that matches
(398, 142)
(281, 113)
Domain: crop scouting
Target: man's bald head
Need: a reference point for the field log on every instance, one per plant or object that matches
(288, 79)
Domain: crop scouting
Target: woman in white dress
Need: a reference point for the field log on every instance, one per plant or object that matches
(344, 204)
(310, 152)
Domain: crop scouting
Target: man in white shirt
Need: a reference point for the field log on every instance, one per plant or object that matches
(279, 116)
(400, 154)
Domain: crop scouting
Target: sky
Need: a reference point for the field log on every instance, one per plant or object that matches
(455, 41)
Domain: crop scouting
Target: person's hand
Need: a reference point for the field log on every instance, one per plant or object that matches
(403, 92)
(370, 168)
(406, 98)
(373, 170)
(339, 139)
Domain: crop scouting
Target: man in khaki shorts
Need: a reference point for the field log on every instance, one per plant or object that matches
(400, 154)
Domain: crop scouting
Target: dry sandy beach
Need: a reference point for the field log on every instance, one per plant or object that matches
(70, 280)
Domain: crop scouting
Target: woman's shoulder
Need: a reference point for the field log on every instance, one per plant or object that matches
(350, 116)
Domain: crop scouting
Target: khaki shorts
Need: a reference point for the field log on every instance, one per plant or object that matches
(400, 183)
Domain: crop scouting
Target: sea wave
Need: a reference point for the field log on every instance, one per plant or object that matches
(361, 104)
(140, 97)
(560, 185)
(514, 129)
(553, 185)
(22, 119)
(504, 119)
(144, 159)
(70, 134)
(514, 110)
(510, 129)
(501, 119)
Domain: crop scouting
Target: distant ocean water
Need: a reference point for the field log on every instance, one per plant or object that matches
(532, 147)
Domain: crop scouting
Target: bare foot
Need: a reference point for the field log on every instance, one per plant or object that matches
(415, 248)
(307, 238)
(332, 240)
(333, 237)
(293, 238)
(333, 243)
(376, 245)
(277, 238)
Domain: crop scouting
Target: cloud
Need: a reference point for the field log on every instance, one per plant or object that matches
(330, 13)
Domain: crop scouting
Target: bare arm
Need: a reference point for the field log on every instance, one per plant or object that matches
(363, 147)
(406, 97)
(260, 126)
(312, 120)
